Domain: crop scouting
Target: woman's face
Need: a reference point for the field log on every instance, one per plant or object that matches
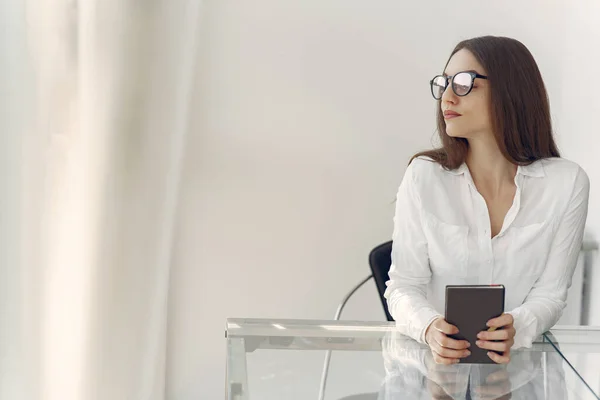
(474, 119)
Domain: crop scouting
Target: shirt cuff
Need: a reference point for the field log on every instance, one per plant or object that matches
(426, 325)
(413, 320)
(525, 325)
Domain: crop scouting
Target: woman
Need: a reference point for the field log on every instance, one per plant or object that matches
(495, 204)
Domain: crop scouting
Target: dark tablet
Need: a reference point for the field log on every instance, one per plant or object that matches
(469, 308)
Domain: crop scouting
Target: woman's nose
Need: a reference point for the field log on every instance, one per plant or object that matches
(449, 96)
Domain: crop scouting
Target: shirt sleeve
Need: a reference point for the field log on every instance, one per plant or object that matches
(546, 301)
(409, 272)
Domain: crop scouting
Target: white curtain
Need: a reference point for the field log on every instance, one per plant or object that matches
(94, 99)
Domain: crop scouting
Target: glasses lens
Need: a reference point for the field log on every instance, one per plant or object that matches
(438, 85)
(462, 83)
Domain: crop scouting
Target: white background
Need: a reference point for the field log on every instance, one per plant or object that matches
(306, 114)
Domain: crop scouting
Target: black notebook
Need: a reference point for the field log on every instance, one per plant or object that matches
(469, 308)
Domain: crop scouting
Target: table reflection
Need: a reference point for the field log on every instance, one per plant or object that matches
(411, 373)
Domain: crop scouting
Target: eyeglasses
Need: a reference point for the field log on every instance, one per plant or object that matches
(462, 83)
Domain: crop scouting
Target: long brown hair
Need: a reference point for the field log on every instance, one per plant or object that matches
(519, 107)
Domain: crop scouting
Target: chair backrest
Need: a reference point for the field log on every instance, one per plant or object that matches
(380, 260)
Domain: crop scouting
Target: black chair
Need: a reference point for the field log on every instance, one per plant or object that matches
(380, 260)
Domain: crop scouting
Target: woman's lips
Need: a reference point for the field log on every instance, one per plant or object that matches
(451, 114)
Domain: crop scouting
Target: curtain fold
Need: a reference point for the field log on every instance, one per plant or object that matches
(95, 106)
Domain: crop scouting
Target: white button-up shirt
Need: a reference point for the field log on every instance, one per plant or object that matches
(442, 237)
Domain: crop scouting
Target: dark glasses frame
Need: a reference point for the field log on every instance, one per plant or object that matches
(447, 79)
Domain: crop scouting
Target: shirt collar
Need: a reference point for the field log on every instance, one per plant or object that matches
(535, 169)
(458, 171)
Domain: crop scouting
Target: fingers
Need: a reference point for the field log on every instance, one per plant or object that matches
(502, 334)
(449, 343)
(449, 353)
(447, 350)
(496, 346)
(499, 322)
(500, 340)
(442, 326)
(499, 359)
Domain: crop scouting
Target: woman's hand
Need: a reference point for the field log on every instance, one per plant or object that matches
(500, 339)
(445, 350)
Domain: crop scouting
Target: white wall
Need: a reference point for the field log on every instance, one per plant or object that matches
(17, 344)
(306, 115)
(581, 133)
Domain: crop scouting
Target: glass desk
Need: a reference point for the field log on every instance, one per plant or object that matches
(335, 360)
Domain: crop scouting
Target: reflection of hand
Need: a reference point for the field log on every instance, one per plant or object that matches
(446, 381)
(501, 339)
(436, 391)
(411, 371)
(497, 386)
(445, 350)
